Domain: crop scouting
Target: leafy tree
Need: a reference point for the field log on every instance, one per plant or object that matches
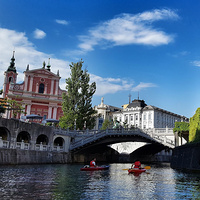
(3, 103)
(77, 106)
(15, 106)
(106, 124)
(194, 134)
(181, 127)
(12, 105)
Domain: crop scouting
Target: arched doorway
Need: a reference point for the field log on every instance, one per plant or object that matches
(59, 141)
(42, 139)
(4, 133)
(25, 136)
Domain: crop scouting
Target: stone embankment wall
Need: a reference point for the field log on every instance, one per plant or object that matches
(186, 157)
(17, 156)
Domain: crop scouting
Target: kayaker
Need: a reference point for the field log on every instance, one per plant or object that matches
(137, 164)
(93, 163)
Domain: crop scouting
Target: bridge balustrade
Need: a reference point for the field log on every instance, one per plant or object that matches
(160, 135)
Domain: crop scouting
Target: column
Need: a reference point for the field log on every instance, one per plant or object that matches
(52, 84)
(45, 89)
(31, 84)
(26, 83)
(49, 112)
(28, 109)
(37, 87)
(56, 91)
(54, 112)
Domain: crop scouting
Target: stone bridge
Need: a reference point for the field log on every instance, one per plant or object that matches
(86, 139)
(35, 143)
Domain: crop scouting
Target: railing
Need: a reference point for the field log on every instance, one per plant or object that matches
(158, 135)
(26, 146)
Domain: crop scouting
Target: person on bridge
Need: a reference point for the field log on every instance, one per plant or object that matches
(93, 163)
(137, 164)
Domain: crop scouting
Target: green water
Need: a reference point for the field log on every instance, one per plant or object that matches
(68, 182)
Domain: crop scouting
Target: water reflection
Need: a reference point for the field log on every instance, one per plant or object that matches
(68, 182)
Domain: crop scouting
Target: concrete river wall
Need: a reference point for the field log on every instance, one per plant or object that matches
(186, 157)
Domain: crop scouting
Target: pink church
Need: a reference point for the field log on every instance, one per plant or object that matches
(39, 93)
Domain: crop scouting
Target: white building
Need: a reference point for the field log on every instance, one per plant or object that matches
(139, 114)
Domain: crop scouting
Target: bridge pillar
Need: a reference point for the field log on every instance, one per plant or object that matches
(176, 138)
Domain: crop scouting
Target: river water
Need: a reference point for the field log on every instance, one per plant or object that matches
(68, 182)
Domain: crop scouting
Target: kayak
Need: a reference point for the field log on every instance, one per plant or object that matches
(88, 168)
(136, 170)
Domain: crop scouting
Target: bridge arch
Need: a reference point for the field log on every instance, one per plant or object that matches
(42, 139)
(25, 136)
(4, 133)
(59, 141)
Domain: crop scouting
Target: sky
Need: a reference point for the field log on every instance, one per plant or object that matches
(144, 48)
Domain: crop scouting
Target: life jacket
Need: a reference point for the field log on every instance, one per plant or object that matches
(92, 163)
(137, 164)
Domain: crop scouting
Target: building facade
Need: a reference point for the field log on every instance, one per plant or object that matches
(39, 93)
(138, 114)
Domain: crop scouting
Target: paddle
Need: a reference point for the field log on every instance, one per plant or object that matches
(147, 167)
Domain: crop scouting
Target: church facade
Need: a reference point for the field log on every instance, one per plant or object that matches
(39, 93)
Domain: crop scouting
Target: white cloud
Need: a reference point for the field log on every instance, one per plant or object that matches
(114, 85)
(143, 86)
(196, 63)
(129, 29)
(63, 22)
(25, 53)
(39, 34)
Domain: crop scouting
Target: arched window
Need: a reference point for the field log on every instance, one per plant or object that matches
(41, 88)
(10, 79)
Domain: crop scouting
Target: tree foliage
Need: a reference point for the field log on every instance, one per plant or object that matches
(107, 124)
(194, 134)
(77, 103)
(13, 105)
(181, 127)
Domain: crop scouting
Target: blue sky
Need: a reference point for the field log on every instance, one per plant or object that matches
(150, 47)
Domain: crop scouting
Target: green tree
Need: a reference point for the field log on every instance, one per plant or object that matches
(77, 106)
(3, 103)
(106, 124)
(194, 131)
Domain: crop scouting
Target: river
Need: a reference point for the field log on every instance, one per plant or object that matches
(66, 181)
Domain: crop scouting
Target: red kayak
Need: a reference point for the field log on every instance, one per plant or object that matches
(88, 168)
(136, 170)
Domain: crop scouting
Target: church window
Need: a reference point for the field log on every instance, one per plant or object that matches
(41, 88)
(10, 79)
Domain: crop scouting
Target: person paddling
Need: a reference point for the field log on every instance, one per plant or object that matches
(137, 164)
(93, 163)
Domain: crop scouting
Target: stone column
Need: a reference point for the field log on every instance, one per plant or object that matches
(52, 84)
(49, 112)
(54, 112)
(56, 91)
(28, 111)
(31, 84)
(176, 139)
(37, 87)
(26, 83)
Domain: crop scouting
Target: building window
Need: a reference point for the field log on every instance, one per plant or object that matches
(10, 79)
(131, 117)
(149, 116)
(136, 117)
(41, 88)
(144, 117)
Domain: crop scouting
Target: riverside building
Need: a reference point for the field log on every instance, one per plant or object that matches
(39, 93)
(138, 114)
